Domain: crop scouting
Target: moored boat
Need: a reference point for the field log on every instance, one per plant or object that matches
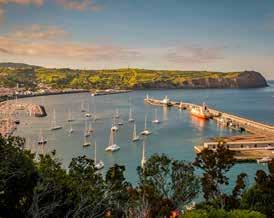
(201, 112)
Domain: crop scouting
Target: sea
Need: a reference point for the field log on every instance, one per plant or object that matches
(175, 136)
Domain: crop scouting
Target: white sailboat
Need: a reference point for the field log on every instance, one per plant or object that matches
(143, 161)
(86, 142)
(42, 140)
(130, 117)
(112, 146)
(155, 121)
(114, 128)
(88, 114)
(83, 107)
(90, 128)
(54, 125)
(87, 133)
(135, 137)
(145, 131)
(100, 164)
(70, 119)
(71, 130)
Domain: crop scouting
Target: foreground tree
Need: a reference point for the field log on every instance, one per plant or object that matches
(214, 164)
(166, 184)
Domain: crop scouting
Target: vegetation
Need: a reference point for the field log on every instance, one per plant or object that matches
(30, 76)
(40, 187)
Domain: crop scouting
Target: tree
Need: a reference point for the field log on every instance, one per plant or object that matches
(166, 184)
(214, 165)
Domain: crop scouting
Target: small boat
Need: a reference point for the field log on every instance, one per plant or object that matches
(135, 137)
(201, 112)
(264, 160)
(145, 131)
(86, 142)
(112, 147)
(155, 121)
(42, 140)
(71, 130)
(90, 129)
(88, 114)
(120, 123)
(100, 164)
(166, 102)
(130, 117)
(54, 125)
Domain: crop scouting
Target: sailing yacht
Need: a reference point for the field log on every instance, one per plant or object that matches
(145, 131)
(112, 146)
(88, 114)
(54, 125)
(120, 123)
(82, 107)
(87, 133)
(155, 121)
(69, 116)
(143, 161)
(42, 140)
(90, 129)
(71, 130)
(135, 137)
(86, 143)
(130, 117)
(100, 163)
(114, 128)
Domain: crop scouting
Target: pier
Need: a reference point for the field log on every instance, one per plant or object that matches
(258, 143)
(9, 110)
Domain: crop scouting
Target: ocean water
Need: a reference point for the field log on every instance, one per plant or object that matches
(175, 136)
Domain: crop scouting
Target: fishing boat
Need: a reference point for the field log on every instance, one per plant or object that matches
(201, 112)
(69, 116)
(42, 140)
(54, 125)
(145, 131)
(87, 133)
(114, 128)
(155, 121)
(135, 137)
(100, 164)
(112, 147)
(130, 117)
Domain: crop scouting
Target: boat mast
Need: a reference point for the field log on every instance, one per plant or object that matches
(143, 161)
(155, 114)
(145, 122)
(134, 131)
(95, 153)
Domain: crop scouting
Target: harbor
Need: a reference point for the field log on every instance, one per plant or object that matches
(258, 144)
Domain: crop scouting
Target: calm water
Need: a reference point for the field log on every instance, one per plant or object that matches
(175, 136)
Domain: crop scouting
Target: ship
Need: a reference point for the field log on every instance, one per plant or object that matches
(201, 112)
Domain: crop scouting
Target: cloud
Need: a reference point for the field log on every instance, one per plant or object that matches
(194, 54)
(80, 5)
(38, 32)
(23, 2)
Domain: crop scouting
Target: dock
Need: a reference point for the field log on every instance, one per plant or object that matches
(257, 144)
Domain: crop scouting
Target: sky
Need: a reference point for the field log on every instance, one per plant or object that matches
(212, 35)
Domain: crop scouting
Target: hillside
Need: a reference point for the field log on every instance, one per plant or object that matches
(30, 76)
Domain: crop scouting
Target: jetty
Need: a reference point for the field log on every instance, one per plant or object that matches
(257, 144)
(9, 110)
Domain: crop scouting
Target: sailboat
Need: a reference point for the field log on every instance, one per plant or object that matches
(155, 121)
(82, 107)
(88, 114)
(71, 130)
(112, 146)
(130, 118)
(87, 133)
(143, 161)
(100, 163)
(90, 129)
(69, 116)
(145, 131)
(86, 142)
(42, 140)
(54, 125)
(117, 115)
(114, 128)
(135, 137)
(120, 123)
